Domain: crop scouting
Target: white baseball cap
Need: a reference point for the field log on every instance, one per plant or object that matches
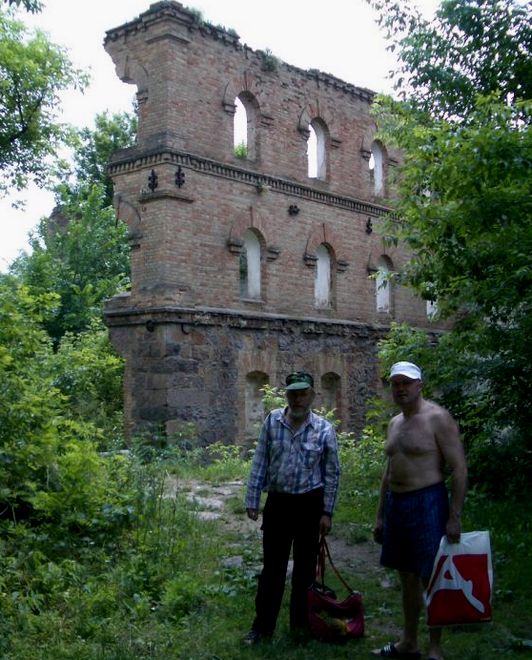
(408, 369)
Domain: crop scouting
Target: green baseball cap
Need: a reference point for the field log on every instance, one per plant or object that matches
(299, 380)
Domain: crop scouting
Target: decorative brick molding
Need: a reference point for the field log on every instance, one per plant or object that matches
(215, 168)
(252, 220)
(315, 110)
(146, 197)
(324, 233)
(235, 245)
(247, 82)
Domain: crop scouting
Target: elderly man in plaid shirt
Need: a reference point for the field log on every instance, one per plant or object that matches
(296, 462)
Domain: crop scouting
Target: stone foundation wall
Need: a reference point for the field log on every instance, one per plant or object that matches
(193, 366)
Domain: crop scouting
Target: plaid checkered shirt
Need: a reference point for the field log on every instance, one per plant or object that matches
(295, 462)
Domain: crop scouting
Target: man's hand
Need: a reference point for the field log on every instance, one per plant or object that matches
(253, 514)
(378, 532)
(453, 529)
(325, 524)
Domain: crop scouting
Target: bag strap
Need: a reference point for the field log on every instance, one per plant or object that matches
(324, 550)
(320, 566)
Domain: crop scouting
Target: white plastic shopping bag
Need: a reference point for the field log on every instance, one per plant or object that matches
(459, 590)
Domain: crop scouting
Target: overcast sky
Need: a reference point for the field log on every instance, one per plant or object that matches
(339, 37)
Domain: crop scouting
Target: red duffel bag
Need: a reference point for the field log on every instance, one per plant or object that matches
(332, 620)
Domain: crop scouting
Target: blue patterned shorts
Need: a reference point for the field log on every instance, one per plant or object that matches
(414, 523)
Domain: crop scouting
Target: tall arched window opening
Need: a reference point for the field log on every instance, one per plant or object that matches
(244, 126)
(432, 309)
(322, 281)
(383, 291)
(240, 129)
(250, 280)
(376, 166)
(330, 393)
(317, 150)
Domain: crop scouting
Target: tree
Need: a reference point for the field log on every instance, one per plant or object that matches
(464, 203)
(93, 148)
(32, 6)
(33, 71)
(473, 47)
(31, 410)
(82, 255)
(81, 251)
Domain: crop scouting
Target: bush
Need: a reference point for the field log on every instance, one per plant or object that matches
(89, 373)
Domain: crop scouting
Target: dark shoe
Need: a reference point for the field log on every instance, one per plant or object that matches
(255, 637)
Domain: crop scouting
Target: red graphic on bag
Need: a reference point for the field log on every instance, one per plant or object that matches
(459, 590)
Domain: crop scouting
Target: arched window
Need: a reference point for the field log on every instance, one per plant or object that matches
(317, 150)
(330, 392)
(432, 309)
(250, 262)
(244, 126)
(383, 285)
(376, 166)
(322, 281)
(240, 133)
(254, 413)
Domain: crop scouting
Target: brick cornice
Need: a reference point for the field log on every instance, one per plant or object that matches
(150, 317)
(126, 163)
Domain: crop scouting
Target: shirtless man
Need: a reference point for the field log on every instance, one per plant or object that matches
(414, 510)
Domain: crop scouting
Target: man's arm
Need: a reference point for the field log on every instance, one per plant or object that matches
(257, 474)
(331, 476)
(379, 519)
(450, 445)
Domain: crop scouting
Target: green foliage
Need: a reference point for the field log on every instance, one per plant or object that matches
(470, 234)
(86, 369)
(93, 149)
(273, 397)
(33, 71)
(81, 252)
(241, 150)
(225, 462)
(128, 556)
(32, 6)
(49, 469)
(80, 492)
(269, 61)
(84, 260)
(403, 343)
(473, 47)
(30, 410)
(155, 580)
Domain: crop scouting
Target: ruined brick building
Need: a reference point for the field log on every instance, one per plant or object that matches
(247, 263)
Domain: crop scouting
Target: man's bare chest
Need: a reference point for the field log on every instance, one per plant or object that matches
(412, 438)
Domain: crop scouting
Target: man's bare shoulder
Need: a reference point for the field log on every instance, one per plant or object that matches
(395, 420)
(433, 408)
(439, 416)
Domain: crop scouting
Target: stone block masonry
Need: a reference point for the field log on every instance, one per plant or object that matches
(198, 345)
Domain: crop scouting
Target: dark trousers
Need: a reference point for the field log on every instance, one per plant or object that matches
(288, 520)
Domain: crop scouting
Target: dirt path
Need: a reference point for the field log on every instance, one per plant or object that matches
(219, 502)
(213, 502)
